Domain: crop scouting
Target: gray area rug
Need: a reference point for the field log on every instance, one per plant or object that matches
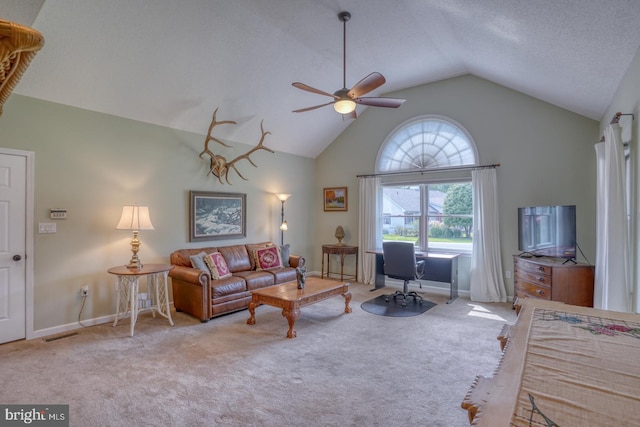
(342, 369)
(394, 308)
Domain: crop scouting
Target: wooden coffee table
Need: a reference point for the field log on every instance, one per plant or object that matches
(288, 297)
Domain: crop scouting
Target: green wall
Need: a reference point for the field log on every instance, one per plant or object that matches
(545, 152)
(92, 164)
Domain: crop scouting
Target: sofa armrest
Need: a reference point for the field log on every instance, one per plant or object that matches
(188, 274)
(296, 261)
(191, 291)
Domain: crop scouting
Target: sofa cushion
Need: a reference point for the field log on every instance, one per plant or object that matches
(226, 287)
(183, 256)
(284, 254)
(267, 258)
(217, 266)
(197, 261)
(283, 275)
(237, 257)
(256, 279)
(251, 247)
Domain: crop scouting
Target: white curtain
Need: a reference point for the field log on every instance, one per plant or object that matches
(612, 288)
(368, 236)
(487, 284)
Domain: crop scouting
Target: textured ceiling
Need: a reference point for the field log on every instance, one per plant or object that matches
(172, 63)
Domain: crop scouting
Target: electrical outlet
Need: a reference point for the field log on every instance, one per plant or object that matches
(84, 291)
(508, 274)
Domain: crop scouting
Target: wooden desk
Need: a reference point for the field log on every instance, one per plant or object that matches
(128, 287)
(341, 250)
(570, 365)
(438, 268)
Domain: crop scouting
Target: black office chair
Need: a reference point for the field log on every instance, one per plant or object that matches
(400, 263)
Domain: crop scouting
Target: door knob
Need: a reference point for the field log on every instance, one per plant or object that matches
(17, 257)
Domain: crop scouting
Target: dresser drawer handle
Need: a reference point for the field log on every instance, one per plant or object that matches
(539, 292)
(540, 279)
(540, 268)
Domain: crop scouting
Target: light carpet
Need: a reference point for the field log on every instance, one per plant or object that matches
(354, 369)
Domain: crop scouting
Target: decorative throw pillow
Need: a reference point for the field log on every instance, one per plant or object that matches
(197, 261)
(267, 258)
(284, 255)
(217, 265)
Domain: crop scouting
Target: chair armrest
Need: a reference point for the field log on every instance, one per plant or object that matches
(420, 268)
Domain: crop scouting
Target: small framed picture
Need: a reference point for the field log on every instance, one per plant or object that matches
(215, 216)
(335, 199)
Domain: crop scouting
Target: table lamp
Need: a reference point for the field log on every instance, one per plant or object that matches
(135, 218)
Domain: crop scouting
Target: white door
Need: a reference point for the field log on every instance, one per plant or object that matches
(13, 174)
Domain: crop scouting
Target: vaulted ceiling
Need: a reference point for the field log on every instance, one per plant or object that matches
(171, 63)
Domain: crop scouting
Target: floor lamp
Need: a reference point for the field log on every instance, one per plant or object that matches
(283, 224)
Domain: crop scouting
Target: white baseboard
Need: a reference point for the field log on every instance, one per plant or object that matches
(61, 329)
(41, 333)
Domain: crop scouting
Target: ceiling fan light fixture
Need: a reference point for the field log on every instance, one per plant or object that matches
(344, 100)
(344, 106)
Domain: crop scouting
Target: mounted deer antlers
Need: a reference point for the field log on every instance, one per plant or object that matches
(219, 165)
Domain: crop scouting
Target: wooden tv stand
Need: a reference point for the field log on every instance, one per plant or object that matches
(552, 279)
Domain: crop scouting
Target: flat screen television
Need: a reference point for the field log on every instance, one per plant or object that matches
(547, 231)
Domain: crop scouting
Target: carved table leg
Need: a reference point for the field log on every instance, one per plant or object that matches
(291, 315)
(347, 299)
(252, 310)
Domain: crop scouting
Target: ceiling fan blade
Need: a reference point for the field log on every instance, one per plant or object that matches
(302, 110)
(381, 102)
(366, 85)
(312, 89)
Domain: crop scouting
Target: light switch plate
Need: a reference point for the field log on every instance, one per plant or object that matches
(46, 227)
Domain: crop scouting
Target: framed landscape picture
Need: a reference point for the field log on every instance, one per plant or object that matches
(214, 216)
(335, 199)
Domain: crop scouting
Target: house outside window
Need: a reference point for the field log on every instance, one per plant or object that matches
(428, 202)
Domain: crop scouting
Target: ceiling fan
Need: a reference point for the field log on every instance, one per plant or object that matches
(345, 100)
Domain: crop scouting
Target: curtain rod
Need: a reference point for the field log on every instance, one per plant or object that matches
(615, 119)
(423, 171)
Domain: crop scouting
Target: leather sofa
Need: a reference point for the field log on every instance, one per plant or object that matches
(195, 292)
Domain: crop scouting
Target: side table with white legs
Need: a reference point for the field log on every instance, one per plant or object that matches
(128, 290)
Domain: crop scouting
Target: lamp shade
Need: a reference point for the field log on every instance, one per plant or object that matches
(283, 196)
(135, 217)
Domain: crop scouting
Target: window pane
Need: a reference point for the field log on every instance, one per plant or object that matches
(451, 228)
(401, 213)
(448, 216)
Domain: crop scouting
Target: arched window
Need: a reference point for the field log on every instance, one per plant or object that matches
(426, 142)
(430, 208)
